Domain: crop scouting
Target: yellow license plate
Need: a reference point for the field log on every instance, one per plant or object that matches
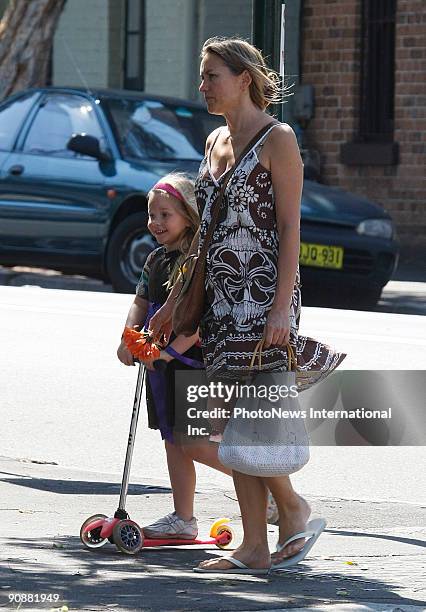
(321, 255)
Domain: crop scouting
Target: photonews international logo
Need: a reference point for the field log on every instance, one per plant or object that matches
(352, 407)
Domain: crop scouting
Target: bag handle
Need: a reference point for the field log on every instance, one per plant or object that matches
(291, 356)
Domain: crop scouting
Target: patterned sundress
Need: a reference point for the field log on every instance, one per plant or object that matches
(241, 277)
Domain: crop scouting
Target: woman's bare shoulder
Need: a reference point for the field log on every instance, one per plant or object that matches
(282, 134)
(283, 143)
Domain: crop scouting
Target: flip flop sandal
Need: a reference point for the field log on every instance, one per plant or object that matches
(240, 568)
(313, 531)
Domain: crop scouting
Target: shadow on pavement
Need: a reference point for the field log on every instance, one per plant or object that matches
(162, 579)
(79, 487)
(381, 536)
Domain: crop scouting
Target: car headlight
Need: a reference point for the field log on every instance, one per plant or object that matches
(382, 228)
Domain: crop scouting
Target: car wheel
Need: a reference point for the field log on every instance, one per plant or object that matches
(128, 248)
(368, 298)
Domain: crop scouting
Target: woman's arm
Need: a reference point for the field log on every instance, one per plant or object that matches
(287, 180)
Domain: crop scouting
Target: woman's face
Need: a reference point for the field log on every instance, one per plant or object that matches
(222, 89)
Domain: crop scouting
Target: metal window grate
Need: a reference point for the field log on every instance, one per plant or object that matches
(377, 70)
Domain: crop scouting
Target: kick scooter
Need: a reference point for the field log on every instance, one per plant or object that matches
(127, 536)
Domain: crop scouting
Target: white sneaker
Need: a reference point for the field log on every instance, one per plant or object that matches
(272, 515)
(172, 526)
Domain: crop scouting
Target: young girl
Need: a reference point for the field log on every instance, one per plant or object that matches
(172, 220)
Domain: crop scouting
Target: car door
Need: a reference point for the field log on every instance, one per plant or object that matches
(52, 200)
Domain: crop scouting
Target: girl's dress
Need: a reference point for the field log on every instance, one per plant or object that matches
(241, 277)
(161, 392)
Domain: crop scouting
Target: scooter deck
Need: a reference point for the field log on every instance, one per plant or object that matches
(151, 542)
(107, 527)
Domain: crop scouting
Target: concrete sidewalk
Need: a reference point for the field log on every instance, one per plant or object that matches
(371, 556)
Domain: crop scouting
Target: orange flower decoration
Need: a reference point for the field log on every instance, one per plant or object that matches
(140, 345)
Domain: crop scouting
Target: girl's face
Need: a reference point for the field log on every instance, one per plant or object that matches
(165, 222)
(222, 89)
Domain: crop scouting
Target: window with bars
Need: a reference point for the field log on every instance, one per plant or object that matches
(134, 63)
(377, 70)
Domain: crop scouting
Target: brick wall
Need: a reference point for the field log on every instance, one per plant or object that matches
(331, 62)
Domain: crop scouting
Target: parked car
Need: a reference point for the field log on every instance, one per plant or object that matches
(75, 168)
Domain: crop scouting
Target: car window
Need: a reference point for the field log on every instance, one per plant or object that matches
(58, 118)
(152, 129)
(12, 114)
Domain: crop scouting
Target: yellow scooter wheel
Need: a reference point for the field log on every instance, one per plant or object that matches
(214, 528)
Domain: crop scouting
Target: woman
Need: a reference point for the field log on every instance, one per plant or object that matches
(252, 281)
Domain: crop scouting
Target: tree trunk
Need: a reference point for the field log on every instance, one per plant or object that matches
(26, 37)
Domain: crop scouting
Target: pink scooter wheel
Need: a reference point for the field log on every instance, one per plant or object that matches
(92, 538)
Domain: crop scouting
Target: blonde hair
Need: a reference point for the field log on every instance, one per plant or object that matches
(189, 211)
(239, 55)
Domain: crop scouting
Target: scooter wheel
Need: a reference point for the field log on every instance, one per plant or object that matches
(216, 525)
(92, 538)
(225, 543)
(128, 537)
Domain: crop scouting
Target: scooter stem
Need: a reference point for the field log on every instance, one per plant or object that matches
(131, 440)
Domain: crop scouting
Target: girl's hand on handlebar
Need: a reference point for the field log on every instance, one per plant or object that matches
(124, 355)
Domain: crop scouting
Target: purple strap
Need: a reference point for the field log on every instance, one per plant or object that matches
(193, 363)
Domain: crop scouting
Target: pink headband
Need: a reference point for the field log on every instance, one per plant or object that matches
(169, 189)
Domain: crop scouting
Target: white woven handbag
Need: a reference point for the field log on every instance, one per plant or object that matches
(260, 441)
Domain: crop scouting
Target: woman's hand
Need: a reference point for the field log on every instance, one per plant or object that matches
(160, 325)
(277, 328)
(124, 355)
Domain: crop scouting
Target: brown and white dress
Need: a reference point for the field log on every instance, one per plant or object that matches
(242, 272)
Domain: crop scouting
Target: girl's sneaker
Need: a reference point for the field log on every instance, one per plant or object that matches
(272, 515)
(172, 526)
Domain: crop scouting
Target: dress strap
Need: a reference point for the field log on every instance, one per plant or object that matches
(262, 139)
(209, 154)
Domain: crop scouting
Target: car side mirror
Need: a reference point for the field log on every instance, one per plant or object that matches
(87, 145)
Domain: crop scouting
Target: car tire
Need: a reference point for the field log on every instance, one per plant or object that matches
(128, 248)
(368, 299)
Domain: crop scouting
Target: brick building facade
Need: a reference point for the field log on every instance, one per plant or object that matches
(389, 169)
